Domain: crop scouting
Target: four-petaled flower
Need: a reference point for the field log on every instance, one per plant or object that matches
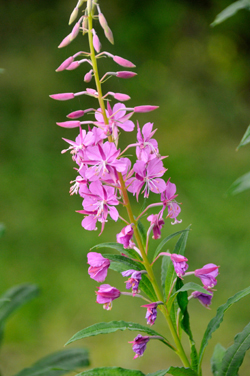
(98, 266)
(106, 294)
(139, 345)
(205, 299)
(151, 313)
(147, 148)
(207, 275)
(124, 237)
(133, 281)
(180, 264)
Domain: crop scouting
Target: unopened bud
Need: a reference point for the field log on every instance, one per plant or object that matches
(73, 65)
(89, 6)
(84, 25)
(69, 124)
(73, 15)
(145, 108)
(125, 74)
(75, 114)
(121, 97)
(123, 62)
(96, 42)
(65, 41)
(75, 31)
(62, 96)
(88, 76)
(109, 35)
(103, 21)
(65, 64)
(80, 3)
(92, 92)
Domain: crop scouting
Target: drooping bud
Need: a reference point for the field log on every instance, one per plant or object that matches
(121, 97)
(96, 42)
(75, 114)
(65, 41)
(125, 74)
(103, 21)
(109, 35)
(123, 62)
(65, 64)
(80, 3)
(145, 108)
(88, 76)
(84, 25)
(75, 30)
(73, 15)
(62, 96)
(69, 124)
(92, 92)
(89, 6)
(73, 65)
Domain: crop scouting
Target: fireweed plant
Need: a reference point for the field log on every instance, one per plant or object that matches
(106, 179)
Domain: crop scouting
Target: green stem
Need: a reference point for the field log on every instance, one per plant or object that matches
(180, 351)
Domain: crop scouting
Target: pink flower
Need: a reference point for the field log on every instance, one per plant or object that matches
(157, 223)
(207, 275)
(133, 281)
(106, 294)
(204, 299)
(98, 269)
(123, 62)
(168, 198)
(180, 264)
(125, 236)
(139, 345)
(151, 312)
(147, 175)
(148, 147)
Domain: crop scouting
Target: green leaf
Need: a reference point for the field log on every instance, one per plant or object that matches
(239, 185)
(234, 355)
(245, 139)
(2, 229)
(58, 363)
(111, 327)
(182, 299)
(111, 371)
(216, 359)
(15, 298)
(192, 286)
(216, 321)
(164, 241)
(118, 247)
(230, 11)
(147, 288)
(175, 371)
(164, 269)
(126, 262)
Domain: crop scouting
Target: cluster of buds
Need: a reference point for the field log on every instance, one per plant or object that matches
(105, 177)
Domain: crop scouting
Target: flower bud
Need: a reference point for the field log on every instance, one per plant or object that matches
(103, 21)
(125, 74)
(109, 35)
(75, 31)
(75, 114)
(73, 15)
(73, 65)
(65, 64)
(65, 41)
(69, 124)
(121, 97)
(96, 42)
(92, 92)
(62, 96)
(145, 108)
(123, 62)
(88, 76)
(80, 3)
(89, 6)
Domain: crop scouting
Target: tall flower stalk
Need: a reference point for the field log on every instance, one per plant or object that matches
(105, 182)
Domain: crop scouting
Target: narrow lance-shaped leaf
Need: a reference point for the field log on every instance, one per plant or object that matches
(234, 355)
(245, 139)
(58, 363)
(216, 360)
(239, 185)
(118, 247)
(231, 10)
(111, 327)
(175, 371)
(192, 286)
(126, 261)
(216, 321)
(111, 371)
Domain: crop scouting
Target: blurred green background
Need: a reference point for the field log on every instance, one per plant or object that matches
(200, 78)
